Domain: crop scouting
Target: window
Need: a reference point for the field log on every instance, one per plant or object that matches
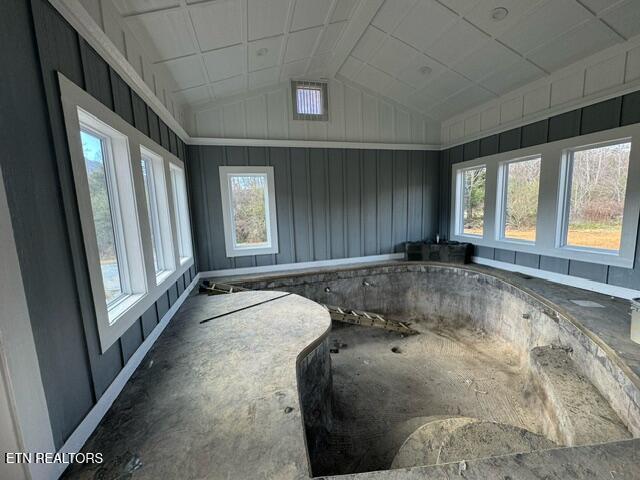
(110, 223)
(121, 179)
(574, 199)
(595, 193)
(158, 212)
(472, 192)
(181, 208)
(309, 100)
(249, 210)
(520, 183)
(104, 204)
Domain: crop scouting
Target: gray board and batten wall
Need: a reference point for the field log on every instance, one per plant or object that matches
(331, 203)
(37, 42)
(613, 113)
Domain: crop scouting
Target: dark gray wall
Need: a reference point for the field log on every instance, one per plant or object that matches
(605, 115)
(35, 42)
(331, 203)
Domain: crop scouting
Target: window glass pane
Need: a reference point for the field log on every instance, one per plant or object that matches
(598, 183)
(521, 199)
(309, 101)
(473, 185)
(99, 189)
(182, 213)
(249, 206)
(152, 211)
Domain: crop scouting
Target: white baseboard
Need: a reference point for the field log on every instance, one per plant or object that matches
(572, 281)
(301, 265)
(82, 433)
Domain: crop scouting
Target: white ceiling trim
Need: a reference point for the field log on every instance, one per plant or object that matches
(85, 25)
(360, 20)
(260, 142)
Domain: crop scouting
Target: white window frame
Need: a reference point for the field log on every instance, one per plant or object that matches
(501, 200)
(232, 249)
(162, 230)
(181, 209)
(551, 199)
(459, 211)
(145, 288)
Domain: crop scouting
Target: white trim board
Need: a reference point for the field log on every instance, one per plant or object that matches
(85, 25)
(260, 142)
(569, 280)
(82, 433)
(301, 265)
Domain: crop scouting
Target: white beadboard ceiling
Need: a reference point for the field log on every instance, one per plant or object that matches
(440, 57)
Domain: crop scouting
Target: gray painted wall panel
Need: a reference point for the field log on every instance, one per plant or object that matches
(337, 217)
(331, 203)
(44, 208)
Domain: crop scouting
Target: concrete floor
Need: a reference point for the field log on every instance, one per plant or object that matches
(221, 399)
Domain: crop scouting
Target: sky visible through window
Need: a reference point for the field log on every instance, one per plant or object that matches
(92, 148)
(249, 200)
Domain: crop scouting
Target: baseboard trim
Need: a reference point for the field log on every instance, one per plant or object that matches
(572, 281)
(301, 265)
(82, 433)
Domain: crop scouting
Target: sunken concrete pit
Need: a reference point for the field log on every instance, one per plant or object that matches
(500, 383)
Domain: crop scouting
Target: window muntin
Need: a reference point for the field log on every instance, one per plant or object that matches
(595, 193)
(520, 189)
(472, 198)
(181, 210)
(309, 100)
(104, 205)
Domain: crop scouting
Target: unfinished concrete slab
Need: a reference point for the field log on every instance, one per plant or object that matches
(253, 392)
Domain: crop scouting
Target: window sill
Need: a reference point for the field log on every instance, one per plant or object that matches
(119, 310)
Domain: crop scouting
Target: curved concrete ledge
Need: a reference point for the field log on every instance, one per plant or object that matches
(218, 399)
(231, 397)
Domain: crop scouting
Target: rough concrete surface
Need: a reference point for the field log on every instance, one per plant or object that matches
(462, 438)
(218, 400)
(577, 413)
(446, 372)
(230, 398)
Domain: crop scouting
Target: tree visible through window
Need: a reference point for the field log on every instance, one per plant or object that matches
(522, 184)
(249, 204)
(473, 187)
(93, 149)
(597, 188)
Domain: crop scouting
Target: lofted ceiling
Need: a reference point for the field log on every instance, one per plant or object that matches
(440, 57)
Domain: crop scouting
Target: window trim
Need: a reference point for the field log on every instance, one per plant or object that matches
(324, 92)
(272, 223)
(459, 211)
(548, 227)
(165, 225)
(182, 230)
(112, 327)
